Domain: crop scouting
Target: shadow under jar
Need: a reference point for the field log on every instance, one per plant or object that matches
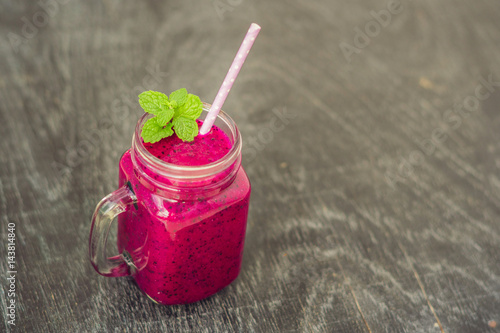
(181, 229)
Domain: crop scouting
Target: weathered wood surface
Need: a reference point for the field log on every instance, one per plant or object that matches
(365, 217)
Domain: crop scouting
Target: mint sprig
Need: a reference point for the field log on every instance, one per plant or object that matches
(175, 113)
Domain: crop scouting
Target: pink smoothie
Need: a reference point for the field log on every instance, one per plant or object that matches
(204, 149)
(185, 249)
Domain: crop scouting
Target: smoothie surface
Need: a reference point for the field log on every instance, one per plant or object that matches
(204, 149)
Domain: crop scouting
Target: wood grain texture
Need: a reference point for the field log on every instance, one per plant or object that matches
(358, 222)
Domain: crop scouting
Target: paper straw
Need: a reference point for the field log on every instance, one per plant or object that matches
(231, 75)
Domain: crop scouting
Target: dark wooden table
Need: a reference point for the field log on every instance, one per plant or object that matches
(376, 200)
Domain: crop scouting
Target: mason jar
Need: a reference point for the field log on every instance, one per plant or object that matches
(181, 229)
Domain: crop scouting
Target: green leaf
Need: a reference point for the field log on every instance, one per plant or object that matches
(179, 96)
(191, 109)
(185, 128)
(179, 112)
(153, 132)
(164, 116)
(152, 101)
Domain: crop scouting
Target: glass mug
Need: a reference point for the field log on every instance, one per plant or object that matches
(181, 229)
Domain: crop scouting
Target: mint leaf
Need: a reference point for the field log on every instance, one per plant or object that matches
(179, 96)
(153, 132)
(177, 112)
(164, 116)
(152, 101)
(191, 109)
(185, 128)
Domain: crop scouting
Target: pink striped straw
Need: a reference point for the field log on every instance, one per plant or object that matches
(231, 75)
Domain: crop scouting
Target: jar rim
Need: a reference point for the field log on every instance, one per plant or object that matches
(142, 155)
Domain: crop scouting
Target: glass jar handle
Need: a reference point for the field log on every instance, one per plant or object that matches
(110, 206)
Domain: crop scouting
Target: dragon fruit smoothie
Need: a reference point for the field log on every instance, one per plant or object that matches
(185, 234)
(182, 203)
